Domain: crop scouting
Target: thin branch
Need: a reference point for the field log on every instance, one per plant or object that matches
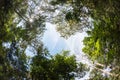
(106, 72)
(20, 15)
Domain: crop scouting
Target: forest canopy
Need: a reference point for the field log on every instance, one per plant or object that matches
(22, 24)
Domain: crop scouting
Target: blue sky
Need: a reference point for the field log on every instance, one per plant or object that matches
(56, 44)
(52, 40)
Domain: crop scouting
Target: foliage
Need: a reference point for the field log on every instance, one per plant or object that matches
(22, 25)
(60, 66)
(16, 33)
(103, 40)
(102, 43)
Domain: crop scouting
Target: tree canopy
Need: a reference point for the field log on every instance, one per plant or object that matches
(102, 44)
(22, 24)
(58, 67)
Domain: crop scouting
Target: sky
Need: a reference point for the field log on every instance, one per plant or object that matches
(55, 43)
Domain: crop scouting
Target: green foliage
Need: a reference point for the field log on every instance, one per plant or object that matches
(21, 27)
(55, 68)
(102, 43)
(72, 18)
(17, 31)
(65, 64)
(60, 66)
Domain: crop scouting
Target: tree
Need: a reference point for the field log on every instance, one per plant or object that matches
(22, 25)
(65, 65)
(60, 66)
(18, 30)
(83, 12)
(102, 43)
